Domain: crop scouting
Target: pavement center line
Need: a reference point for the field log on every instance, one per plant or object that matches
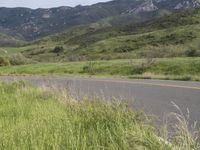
(139, 83)
(144, 83)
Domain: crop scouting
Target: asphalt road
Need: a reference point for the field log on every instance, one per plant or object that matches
(155, 97)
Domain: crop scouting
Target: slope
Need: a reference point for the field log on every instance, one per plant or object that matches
(169, 36)
(9, 41)
(36, 23)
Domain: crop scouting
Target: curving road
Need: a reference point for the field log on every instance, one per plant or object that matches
(153, 96)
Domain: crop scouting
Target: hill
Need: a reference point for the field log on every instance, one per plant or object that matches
(33, 23)
(9, 41)
(172, 35)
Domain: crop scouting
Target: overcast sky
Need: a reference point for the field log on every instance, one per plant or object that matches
(46, 3)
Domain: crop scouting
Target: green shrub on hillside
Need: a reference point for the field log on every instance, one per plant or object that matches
(19, 59)
(90, 68)
(123, 49)
(192, 53)
(58, 49)
(4, 61)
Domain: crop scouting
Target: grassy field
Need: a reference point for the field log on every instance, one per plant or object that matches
(38, 118)
(166, 68)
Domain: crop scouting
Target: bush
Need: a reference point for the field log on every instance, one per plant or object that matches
(147, 63)
(90, 68)
(37, 51)
(192, 53)
(19, 59)
(139, 69)
(58, 49)
(123, 49)
(4, 61)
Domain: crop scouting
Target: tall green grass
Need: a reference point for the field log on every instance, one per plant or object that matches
(36, 118)
(166, 68)
(32, 118)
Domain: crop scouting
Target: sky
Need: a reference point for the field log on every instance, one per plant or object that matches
(46, 3)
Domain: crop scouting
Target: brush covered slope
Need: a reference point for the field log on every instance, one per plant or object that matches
(174, 35)
(10, 41)
(33, 23)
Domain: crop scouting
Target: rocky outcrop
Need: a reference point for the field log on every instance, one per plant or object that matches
(147, 6)
(188, 4)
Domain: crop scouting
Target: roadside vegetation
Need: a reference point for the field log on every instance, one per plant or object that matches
(43, 118)
(165, 68)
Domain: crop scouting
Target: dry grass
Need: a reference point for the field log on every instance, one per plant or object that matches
(183, 134)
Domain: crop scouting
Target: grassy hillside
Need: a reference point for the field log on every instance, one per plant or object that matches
(9, 51)
(173, 35)
(35, 118)
(174, 69)
(8, 41)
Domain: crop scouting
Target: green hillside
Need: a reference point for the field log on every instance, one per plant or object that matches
(36, 23)
(174, 35)
(8, 41)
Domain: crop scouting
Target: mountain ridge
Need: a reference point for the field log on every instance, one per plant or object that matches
(30, 24)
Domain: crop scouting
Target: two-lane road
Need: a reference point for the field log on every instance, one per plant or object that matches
(153, 96)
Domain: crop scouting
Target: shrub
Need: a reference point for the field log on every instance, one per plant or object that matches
(143, 66)
(90, 68)
(123, 49)
(58, 49)
(106, 57)
(147, 63)
(37, 51)
(192, 53)
(139, 69)
(19, 59)
(4, 61)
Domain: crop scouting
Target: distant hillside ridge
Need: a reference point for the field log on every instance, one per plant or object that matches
(30, 24)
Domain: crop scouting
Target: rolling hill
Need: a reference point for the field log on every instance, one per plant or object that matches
(172, 35)
(10, 41)
(31, 24)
